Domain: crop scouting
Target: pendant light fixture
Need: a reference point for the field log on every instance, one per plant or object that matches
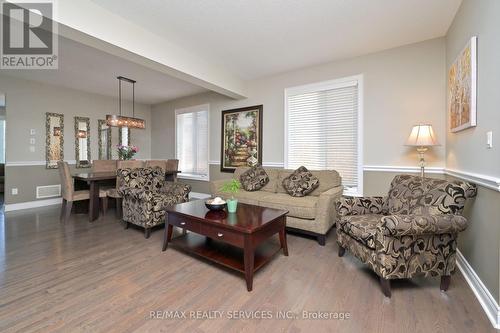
(122, 121)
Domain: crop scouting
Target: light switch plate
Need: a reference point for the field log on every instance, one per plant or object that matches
(32, 141)
(489, 139)
(32, 131)
(32, 149)
(14, 191)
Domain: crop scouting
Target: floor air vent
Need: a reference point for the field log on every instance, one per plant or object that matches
(48, 191)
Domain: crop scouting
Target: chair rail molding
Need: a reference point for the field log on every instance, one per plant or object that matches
(31, 163)
(490, 182)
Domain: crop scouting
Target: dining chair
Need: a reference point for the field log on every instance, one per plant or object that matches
(113, 192)
(156, 163)
(69, 194)
(173, 165)
(104, 166)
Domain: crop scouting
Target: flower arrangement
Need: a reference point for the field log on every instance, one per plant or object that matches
(126, 152)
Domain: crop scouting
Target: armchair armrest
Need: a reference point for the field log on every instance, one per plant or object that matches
(402, 225)
(360, 205)
(178, 191)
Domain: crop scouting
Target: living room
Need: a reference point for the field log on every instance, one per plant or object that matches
(184, 76)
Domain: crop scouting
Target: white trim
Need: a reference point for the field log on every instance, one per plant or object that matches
(479, 179)
(409, 169)
(483, 180)
(483, 295)
(199, 195)
(193, 177)
(32, 163)
(214, 162)
(32, 204)
(354, 80)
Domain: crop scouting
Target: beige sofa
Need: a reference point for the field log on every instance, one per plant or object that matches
(313, 214)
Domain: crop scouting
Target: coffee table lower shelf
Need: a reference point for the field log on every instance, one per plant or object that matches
(222, 253)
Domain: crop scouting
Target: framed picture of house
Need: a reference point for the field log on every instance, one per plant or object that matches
(241, 142)
(462, 85)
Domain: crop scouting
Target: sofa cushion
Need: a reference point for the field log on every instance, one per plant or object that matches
(300, 183)
(254, 178)
(251, 198)
(362, 228)
(327, 179)
(271, 172)
(301, 207)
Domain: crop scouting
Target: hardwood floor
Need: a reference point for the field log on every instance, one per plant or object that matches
(98, 277)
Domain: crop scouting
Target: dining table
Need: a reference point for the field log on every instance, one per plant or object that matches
(94, 179)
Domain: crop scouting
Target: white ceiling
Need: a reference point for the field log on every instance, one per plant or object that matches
(255, 38)
(88, 69)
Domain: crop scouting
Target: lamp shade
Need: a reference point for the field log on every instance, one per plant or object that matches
(422, 136)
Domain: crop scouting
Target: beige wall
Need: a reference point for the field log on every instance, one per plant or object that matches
(26, 105)
(402, 87)
(466, 150)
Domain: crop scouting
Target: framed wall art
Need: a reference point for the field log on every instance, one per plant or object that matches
(462, 88)
(241, 142)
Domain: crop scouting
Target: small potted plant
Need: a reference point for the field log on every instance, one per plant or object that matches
(126, 152)
(232, 187)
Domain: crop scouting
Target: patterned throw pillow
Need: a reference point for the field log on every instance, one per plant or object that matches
(254, 178)
(300, 183)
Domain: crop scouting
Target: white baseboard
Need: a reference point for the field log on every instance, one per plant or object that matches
(483, 295)
(32, 204)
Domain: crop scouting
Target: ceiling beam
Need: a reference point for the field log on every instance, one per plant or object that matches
(92, 25)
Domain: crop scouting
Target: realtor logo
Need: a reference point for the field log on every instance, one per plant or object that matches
(29, 39)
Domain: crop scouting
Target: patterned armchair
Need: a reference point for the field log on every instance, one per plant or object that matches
(146, 194)
(412, 231)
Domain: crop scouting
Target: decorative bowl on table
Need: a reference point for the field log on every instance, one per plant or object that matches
(215, 204)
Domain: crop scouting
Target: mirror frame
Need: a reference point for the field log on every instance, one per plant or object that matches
(77, 143)
(48, 134)
(100, 123)
(120, 136)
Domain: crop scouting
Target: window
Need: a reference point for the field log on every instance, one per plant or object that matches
(191, 149)
(323, 129)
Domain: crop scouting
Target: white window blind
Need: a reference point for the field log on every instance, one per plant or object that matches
(322, 130)
(192, 142)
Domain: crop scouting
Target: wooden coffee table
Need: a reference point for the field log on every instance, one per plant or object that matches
(240, 240)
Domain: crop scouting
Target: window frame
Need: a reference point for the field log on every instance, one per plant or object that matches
(191, 109)
(328, 85)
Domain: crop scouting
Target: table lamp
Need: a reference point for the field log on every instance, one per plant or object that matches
(422, 137)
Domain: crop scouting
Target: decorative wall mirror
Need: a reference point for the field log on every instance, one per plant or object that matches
(124, 136)
(82, 142)
(54, 139)
(104, 140)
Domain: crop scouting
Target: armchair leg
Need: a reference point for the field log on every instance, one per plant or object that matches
(385, 284)
(321, 240)
(341, 251)
(125, 225)
(147, 232)
(445, 282)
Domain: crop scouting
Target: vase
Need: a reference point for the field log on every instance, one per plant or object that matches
(232, 204)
